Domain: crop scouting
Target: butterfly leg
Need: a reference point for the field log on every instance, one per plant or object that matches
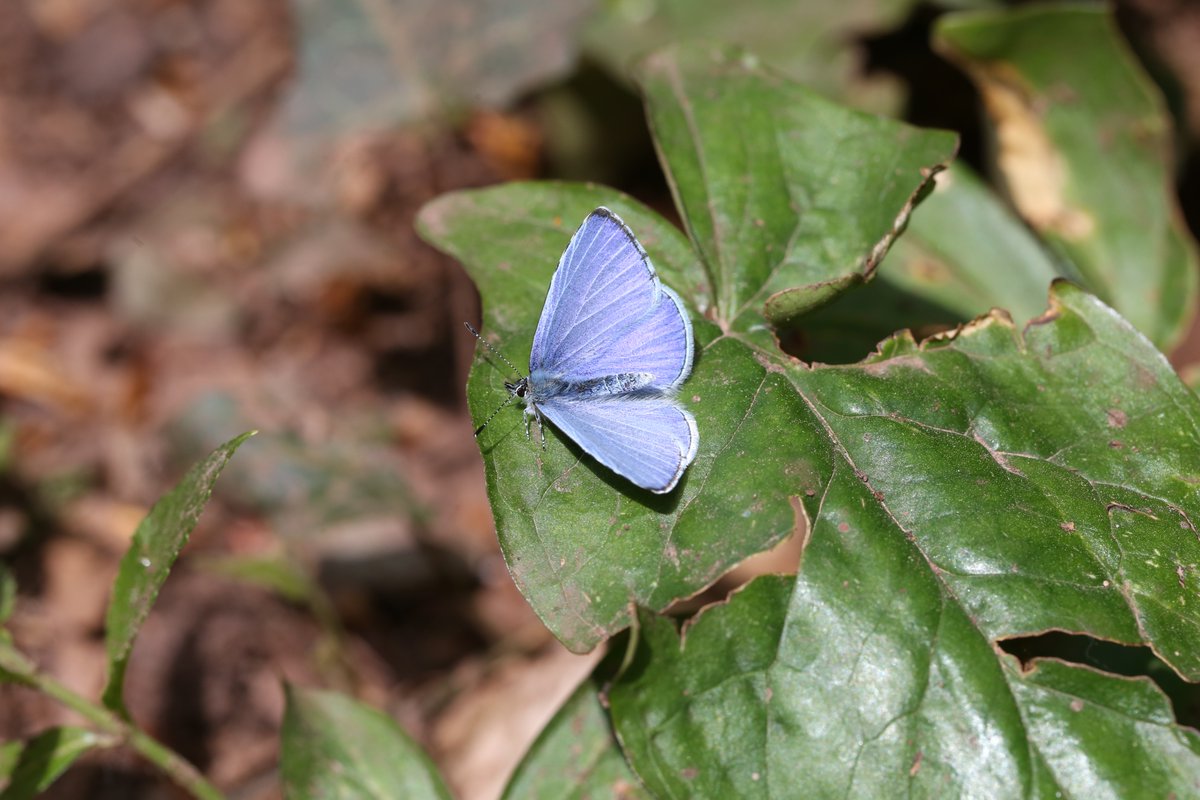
(532, 413)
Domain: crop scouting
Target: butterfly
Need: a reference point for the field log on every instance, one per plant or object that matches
(611, 348)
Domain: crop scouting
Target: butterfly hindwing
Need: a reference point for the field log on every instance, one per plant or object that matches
(649, 440)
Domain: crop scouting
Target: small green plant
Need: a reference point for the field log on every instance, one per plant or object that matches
(30, 767)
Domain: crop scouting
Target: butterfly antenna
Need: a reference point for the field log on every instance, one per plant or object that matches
(495, 352)
(499, 408)
(499, 355)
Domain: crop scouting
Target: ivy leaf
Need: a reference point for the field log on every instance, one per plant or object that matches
(976, 489)
(581, 543)
(967, 252)
(1084, 148)
(801, 197)
(878, 689)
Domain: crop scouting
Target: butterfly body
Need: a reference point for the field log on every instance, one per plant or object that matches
(544, 386)
(611, 349)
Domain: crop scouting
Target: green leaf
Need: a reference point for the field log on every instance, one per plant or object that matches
(806, 688)
(8, 593)
(817, 44)
(10, 752)
(576, 756)
(974, 493)
(967, 252)
(370, 65)
(335, 747)
(1084, 147)
(27, 769)
(144, 568)
(1041, 503)
(15, 666)
(799, 194)
(274, 573)
(991, 483)
(963, 253)
(581, 543)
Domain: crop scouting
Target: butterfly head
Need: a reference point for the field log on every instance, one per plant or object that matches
(518, 388)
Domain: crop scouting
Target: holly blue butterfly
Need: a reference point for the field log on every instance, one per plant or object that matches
(611, 348)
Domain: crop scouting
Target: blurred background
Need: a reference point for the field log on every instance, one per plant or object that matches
(206, 226)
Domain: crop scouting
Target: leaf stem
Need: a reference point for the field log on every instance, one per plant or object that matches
(175, 766)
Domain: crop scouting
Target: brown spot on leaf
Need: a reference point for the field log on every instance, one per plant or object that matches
(1034, 170)
(1117, 418)
(843, 527)
(930, 270)
(768, 364)
(689, 773)
(1067, 526)
(1144, 378)
(1077, 705)
(879, 368)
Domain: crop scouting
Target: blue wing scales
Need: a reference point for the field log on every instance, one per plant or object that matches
(607, 313)
(650, 441)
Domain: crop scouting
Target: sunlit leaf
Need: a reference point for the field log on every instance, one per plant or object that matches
(796, 198)
(880, 687)
(995, 482)
(582, 543)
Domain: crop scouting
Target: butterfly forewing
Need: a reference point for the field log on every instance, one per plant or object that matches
(606, 312)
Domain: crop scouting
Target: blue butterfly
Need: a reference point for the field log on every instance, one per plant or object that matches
(612, 347)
